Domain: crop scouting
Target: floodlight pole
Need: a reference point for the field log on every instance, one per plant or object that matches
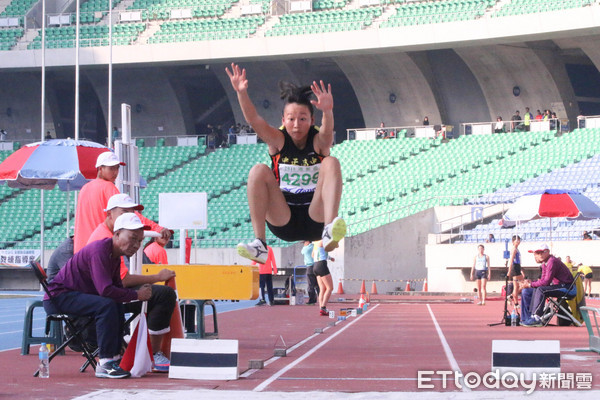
(77, 27)
(42, 125)
(110, 77)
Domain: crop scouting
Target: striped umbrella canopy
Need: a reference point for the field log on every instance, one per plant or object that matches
(551, 203)
(66, 162)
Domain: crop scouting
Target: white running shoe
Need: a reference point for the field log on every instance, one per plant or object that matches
(254, 250)
(333, 233)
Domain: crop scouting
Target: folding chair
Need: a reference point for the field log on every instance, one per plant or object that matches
(68, 320)
(559, 305)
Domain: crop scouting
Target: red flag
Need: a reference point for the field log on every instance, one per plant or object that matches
(176, 331)
(138, 356)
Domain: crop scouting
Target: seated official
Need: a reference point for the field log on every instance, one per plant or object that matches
(162, 303)
(90, 285)
(555, 279)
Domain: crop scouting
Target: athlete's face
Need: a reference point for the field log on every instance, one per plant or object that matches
(297, 122)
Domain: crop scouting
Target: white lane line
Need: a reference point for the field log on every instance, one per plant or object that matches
(448, 351)
(291, 365)
(353, 379)
(271, 360)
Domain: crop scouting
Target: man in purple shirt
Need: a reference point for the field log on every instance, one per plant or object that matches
(555, 279)
(90, 285)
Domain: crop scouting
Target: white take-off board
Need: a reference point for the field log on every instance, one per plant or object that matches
(183, 210)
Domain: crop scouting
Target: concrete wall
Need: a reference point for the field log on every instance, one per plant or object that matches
(394, 252)
(375, 77)
(451, 72)
(20, 101)
(500, 68)
(151, 90)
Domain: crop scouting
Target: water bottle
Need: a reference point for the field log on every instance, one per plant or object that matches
(44, 362)
(513, 318)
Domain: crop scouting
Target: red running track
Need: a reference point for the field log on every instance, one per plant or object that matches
(381, 350)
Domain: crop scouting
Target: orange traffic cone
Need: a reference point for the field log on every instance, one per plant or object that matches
(362, 288)
(407, 288)
(340, 288)
(361, 301)
(176, 324)
(425, 285)
(373, 288)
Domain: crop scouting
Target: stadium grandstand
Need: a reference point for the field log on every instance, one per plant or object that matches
(417, 198)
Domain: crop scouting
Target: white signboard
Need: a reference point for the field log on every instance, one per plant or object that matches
(18, 257)
(246, 139)
(424, 132)
(540, 126)
(366, 135)
(181, 13)
(483, 129)
(252, 9)
(183, 210)
(301, 5)
(129, 16)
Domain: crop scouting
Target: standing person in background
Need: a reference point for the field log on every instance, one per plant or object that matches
(482, 272)
(323, 277)
(588, 276)
(313, 285)
(115, 133)
(426, 121)
(527, 119)
(538, 115)
(93, 199)
(155, 250)
(569, 264)
(266, 271)
(514, 269)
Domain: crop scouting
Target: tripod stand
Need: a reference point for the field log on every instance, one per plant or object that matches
(505, 316)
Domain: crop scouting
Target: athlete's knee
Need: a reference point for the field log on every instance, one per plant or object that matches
(259, 170)
(331, 162)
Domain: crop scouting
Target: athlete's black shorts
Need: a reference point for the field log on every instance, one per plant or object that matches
(299, 227)
(516, 271)
(481, 274)
(321, 269)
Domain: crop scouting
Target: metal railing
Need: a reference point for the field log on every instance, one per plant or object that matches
(490, 127)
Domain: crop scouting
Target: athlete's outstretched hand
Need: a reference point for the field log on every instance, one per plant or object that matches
(237, 76)
(324, 100)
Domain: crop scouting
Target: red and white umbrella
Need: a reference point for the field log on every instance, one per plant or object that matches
(551, 203)
(42, 165)
(70, 163)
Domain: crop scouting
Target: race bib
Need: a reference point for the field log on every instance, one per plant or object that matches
(298, 178)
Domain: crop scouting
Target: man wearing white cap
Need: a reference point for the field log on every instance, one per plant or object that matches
(162, 302)
(90, 285)
(555, 277)
(93, 199)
